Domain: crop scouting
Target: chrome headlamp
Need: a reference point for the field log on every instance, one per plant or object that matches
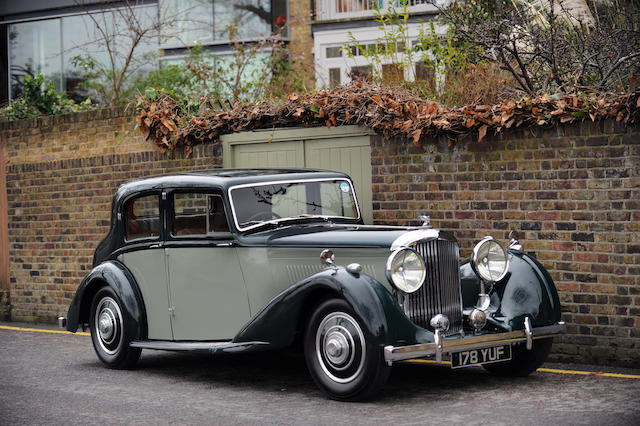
(489, 260)
(406, 270)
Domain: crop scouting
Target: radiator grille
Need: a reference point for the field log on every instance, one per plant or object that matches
(440, 293)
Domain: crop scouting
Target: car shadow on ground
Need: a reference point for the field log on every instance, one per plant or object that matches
(284, 371)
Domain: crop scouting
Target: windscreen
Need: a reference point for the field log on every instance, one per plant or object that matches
(285, 200)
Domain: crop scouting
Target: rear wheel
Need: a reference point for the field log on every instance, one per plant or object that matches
(343, 361)
(524, 362)
(108, 332)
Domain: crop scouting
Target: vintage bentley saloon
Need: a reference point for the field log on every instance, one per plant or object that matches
(252, 260)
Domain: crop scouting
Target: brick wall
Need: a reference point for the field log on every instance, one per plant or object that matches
(572, 193)
(61, 175)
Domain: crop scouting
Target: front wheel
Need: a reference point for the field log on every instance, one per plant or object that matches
(524, 362)
(108, 332)
(343, 361)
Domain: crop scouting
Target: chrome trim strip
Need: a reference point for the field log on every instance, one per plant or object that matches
(166, 345)
(399, 353)
(275, 182)
(413, 237)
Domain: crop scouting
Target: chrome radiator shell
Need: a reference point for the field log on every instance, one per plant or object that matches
(440, 292)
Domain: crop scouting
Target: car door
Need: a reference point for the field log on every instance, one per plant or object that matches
(145, 258)
(207, 292)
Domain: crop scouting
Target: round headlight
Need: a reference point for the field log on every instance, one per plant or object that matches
(489, 260)
(406, 270)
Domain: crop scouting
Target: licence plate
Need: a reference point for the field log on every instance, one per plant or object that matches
(480, 356)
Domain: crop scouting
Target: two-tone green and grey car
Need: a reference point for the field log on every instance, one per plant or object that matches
(252, 260)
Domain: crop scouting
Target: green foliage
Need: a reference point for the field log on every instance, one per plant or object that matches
(447, 63)
(107, 83)
(40, 98)
(204, 82)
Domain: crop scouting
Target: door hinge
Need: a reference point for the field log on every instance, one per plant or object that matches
(172, 311)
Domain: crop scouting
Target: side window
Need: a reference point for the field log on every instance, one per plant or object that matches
(142, 217)
(198, 214)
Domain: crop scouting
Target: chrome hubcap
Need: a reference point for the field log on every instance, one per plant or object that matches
(336, 348)
(340, 347)
(108, 325)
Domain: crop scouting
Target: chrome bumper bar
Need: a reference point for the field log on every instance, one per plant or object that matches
(441, 346)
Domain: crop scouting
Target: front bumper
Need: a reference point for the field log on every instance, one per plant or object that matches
(441, 346)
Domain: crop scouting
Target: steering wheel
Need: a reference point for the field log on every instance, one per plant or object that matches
(264, 215)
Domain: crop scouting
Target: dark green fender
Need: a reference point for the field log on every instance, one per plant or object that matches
(286, 315)
(115, 275)
(526, 290)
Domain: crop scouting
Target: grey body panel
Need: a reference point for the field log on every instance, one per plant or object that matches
(149, 270)
(207, 293)
(270, 270)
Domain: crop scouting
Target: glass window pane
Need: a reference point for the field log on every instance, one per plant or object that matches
(279, 201)
(287, 204)
(251, 18)
(254, 71)
(198, 214)
(334, 77)
(190, 214)
(336, 200)
(279, 16)
(142, 217)
(34, 47)
(188, 22)
(217, 216)
(334, 52)
(363, 72)
(82, 36)
(79, 35)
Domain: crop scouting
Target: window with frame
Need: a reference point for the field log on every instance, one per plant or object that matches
(197, 213)
(142, 217)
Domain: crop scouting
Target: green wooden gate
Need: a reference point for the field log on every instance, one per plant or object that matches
(344, 149)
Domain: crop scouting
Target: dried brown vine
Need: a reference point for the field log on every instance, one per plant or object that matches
(390, 112)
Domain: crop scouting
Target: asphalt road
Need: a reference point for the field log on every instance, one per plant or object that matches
(57, 379)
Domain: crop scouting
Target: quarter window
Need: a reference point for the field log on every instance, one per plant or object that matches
(142, 217)
(198, 214)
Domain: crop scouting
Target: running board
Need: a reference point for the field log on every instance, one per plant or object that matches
(206, 347)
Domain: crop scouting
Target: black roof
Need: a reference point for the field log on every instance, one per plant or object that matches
(221, 178)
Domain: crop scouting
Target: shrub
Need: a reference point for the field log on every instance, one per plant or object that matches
(40, 98)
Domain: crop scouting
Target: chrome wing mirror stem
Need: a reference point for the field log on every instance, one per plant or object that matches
(514, 244)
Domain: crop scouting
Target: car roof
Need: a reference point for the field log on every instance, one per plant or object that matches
(221, 178)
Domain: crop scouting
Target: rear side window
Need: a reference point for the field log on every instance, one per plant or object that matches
(142, 217)
(198, 214)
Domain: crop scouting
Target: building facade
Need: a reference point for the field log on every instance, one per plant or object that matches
(346, 32)
(56, 37)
